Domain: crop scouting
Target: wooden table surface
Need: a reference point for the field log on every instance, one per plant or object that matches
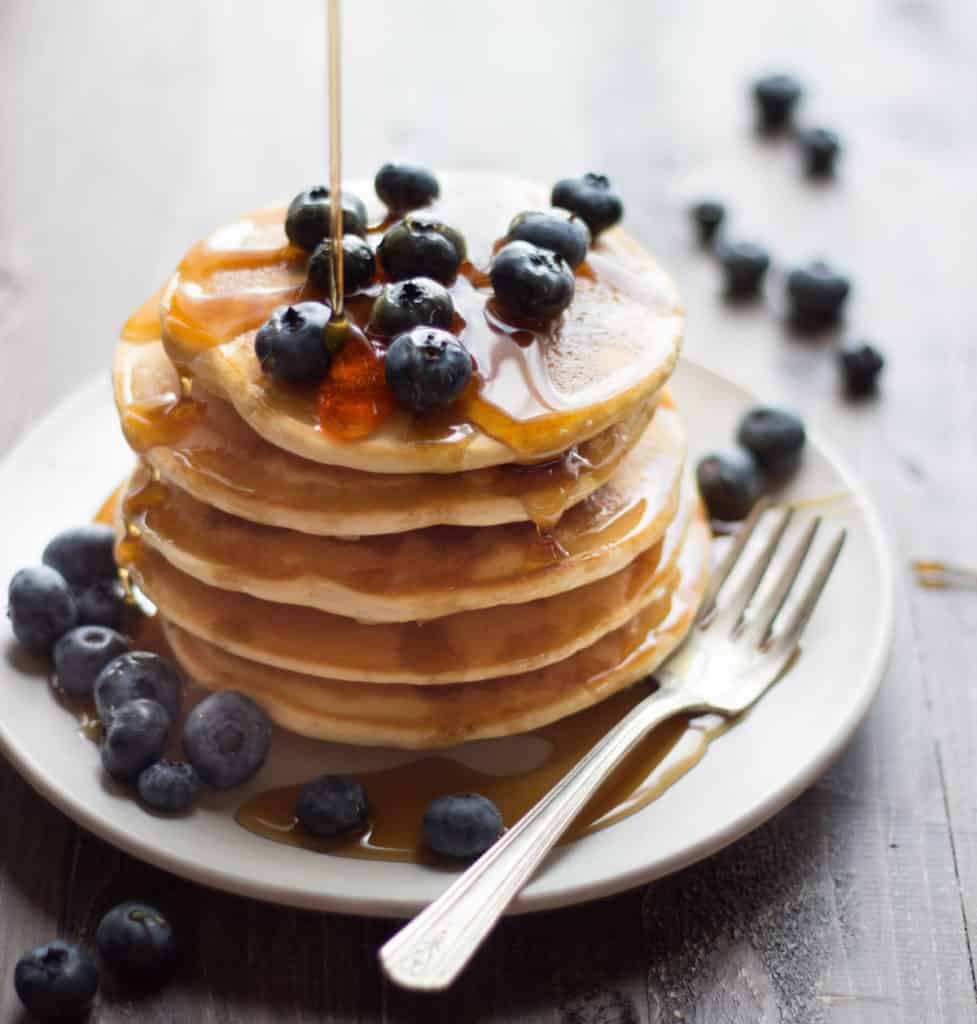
(131, 128)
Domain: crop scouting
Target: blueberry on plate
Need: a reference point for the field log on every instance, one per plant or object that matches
(291, 344)
(861, 364)
(707, 215)
(565, 234)
(421, 247)
(427, 368)
(136, 942)
(135, 738)
(530, 282)
(138, 675)
(359, 265)
(776, 97)
(591, 198)
(226, 738)
(775, 438)
(729, 482)
(102, 603)
(406, 304)
(462, 825)
(82, 653)
(744, 265)
(41, 608)
(83, 554)
(405, 187)
(309, 219)
(331, 805)
(57, 981)
(820, 147)
(817, 294)
(168, 786)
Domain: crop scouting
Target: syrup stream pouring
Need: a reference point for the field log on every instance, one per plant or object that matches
(333, 30)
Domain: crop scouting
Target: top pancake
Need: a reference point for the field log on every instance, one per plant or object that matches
(538, 393)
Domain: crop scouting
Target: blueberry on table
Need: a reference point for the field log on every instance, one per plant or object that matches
(227, 738)
(136, 942)
(138, 675)
(135, 738)
(775, 438)
(816, 294)
(168, 786)
(82, 653)
(462, 825)
(359, 264)
(57, 981)
(291, 343)
(821, 147)
(729, 482)
(404, 187)
(421, 247)
(41, 608)
(861, 364)
(707, 215)
(531, 282)
(591, 198)
(102, 603)
(309, 217)
(83, 554)
(744, 266)
(776, 97)
(566, 235)
(331, 805)
(406, 304)
(427, 368)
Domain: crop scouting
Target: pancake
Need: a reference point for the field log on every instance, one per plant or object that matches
(538, 392)
(420, 717)
(203, 446)
(428, 573)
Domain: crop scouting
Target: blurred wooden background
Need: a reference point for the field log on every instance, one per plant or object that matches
(131, 128)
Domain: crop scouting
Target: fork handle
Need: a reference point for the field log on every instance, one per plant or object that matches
(430, 952)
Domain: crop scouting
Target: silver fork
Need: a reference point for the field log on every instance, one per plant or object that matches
(735, 652)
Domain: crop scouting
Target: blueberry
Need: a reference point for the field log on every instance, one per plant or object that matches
(102, 603)
(566, 235)
(774, 437)
(590, 198)
(83, 554)
(744, 264)
(359, 264)
(817, 294)
(41, 608)
(417, 302)
(137, 943)
(421, 247)
(729, 483)
(82, 653)
(138, 675)
(291, 345)
(531, 282)
(406, 186)
(776, 96)
(462, 825)
(226, 739)
(821, 148)
(861, 364)
(427, 368)
(331, 805)
(135, 738)
(57, 981)
(707, 215)
(308, 219)
(170, 786)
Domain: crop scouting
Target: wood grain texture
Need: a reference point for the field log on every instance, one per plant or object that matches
(129, 129)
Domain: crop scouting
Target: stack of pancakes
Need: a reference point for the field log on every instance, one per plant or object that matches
(499, 566)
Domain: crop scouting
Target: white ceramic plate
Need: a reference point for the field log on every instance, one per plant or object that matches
(61, 472)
